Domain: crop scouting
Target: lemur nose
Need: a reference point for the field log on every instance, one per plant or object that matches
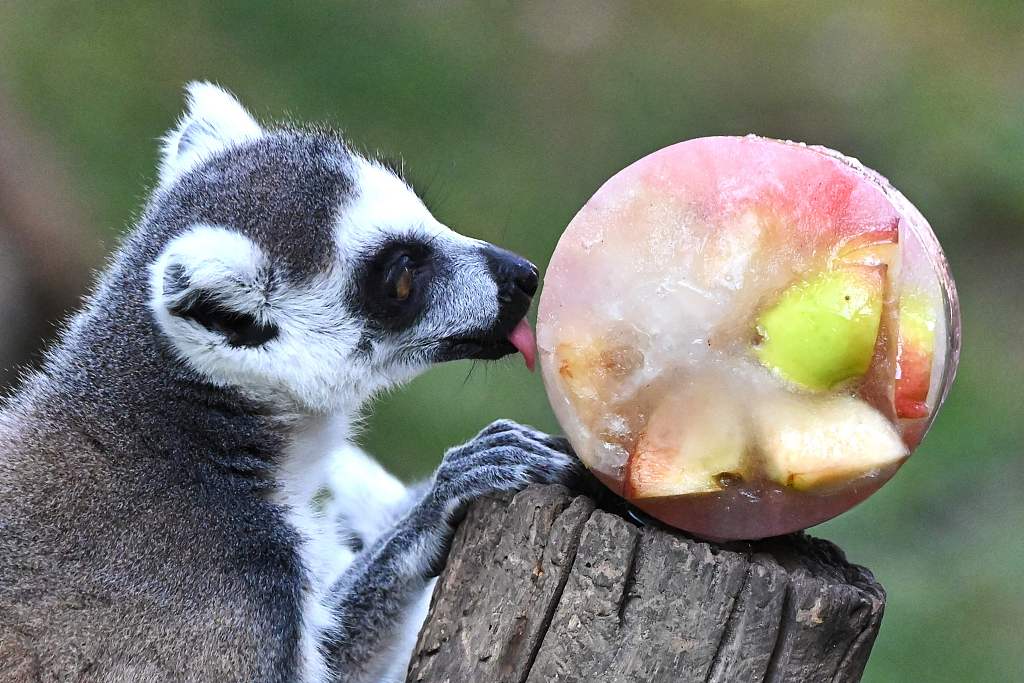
(528, 279)
(512, 269)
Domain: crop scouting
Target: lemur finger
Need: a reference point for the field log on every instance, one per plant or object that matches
(546, 467)
(560, 444)
(535, 457)
(555, 441)
(522, 438)
(554, 466)
(563, 469)
(458, 492)
(471, 465)
(503, 425)
(499, 449)
(552, 441)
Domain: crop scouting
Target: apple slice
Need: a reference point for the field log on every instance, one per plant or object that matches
(809, 442)
(580, 371)
(822, 331)
(872, 247)
(914, 356)
(692, 444)
(590, 370)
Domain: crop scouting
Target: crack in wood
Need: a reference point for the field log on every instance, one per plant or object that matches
(629, 582)
(774, 673)
(729, 632)
(563, 578)
(851, 665)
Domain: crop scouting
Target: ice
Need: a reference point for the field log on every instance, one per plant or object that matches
(648, 318)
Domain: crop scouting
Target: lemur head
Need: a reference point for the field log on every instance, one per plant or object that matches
(285, 265)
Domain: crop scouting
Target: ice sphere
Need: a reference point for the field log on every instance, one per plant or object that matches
(745, 337)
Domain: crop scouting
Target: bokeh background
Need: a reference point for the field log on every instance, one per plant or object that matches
(508, 116)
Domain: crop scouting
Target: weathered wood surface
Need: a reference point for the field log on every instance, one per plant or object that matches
(546, 587)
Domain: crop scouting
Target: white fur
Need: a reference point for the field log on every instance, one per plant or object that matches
(324, 555)
(371, 500)
(385, 204)
(216, 258)
(214, 121)
(406, 641)
(313, 356)
(306, 367)
(364, 498)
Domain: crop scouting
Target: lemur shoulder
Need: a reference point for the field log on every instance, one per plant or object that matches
(159, 472)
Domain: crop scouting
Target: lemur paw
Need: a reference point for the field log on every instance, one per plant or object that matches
(506, 456)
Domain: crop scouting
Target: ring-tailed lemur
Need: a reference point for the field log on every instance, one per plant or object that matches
(158, 474)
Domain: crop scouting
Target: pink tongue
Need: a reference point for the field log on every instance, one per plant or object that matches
(522, 338)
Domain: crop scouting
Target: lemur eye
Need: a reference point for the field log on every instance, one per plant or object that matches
(401, 279)
(395, 282)
(404, 285)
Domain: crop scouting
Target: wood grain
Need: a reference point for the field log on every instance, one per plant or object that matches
(544, 586)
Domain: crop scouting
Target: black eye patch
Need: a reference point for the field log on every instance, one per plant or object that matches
(393, 282)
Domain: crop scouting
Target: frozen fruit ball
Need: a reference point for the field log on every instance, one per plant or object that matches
(745, 337)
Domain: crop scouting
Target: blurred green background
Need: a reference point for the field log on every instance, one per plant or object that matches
(510, 115)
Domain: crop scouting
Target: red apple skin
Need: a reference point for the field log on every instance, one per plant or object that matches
(914, 356)
(874, 247)
(877, 387)
(692, 443)
(879, 247)
(645, 467)
(913, 382)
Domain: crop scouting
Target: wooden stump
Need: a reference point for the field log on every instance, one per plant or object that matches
(545, 587)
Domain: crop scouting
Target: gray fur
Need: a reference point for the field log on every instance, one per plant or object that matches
(141, 538)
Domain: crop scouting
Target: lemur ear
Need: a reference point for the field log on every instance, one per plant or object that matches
(218, 279)
(213, 121)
